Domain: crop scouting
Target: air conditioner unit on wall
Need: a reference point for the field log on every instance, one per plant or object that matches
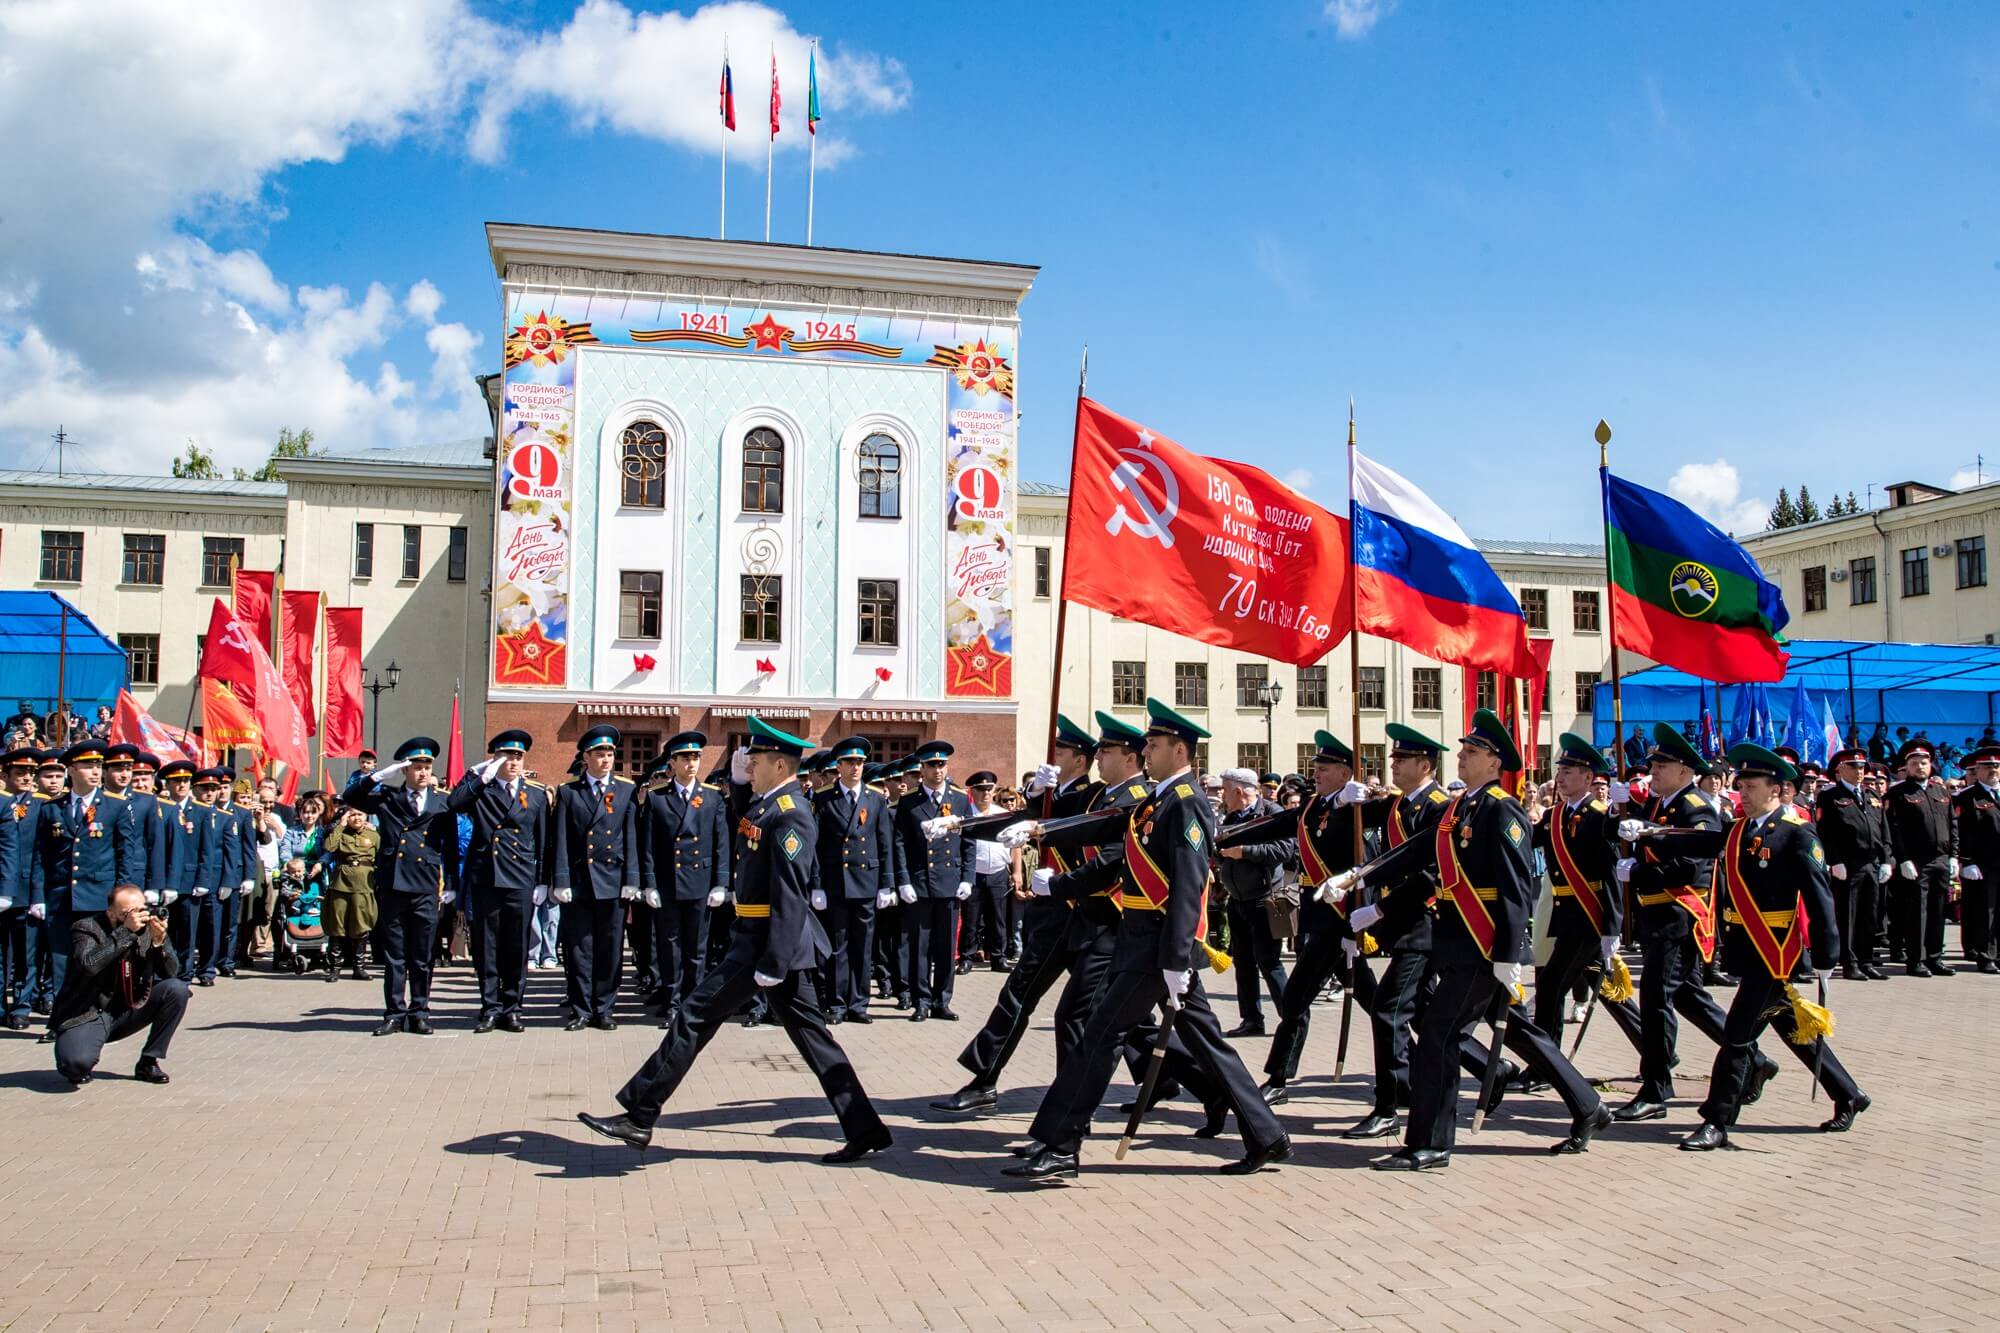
(1940, 551)
(1838, 575)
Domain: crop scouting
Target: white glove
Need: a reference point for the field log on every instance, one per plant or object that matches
(448, 897)
(964, 891)
(1509, 977)
(1352, 793)
(152, 898)
(562, 895)
(246, 886)
(6, 904)
(1909, 869)
(1350, 946)
(883, 898)
(1335, 886)
(489, 768)
(223, 893)
(1623, 869)
(1821, 974)
(387, 771)
(1837, 870)
(1882, 873)
(906, 893)
(1954, 868)
(937, 828)
(629, 894)
(1045, 777)
(819, 900)
(1043, 878)
(739, 771)
(716, 897)
(1618, 793)
(1631, 830)
(200, 892)
(1364, 917)
(1607, 945)
(541, 894)
(168, 897)
(1971, 874)
(1017, 835)
(651, 897)
(1177, 984)
(37, 911)
(764, 981)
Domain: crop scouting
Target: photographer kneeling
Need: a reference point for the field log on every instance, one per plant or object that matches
(123, 976)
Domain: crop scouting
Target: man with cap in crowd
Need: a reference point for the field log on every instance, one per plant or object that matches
(1249, 872)
(937, 877)
(85, 844)
(18, 977)
(855, 852)
(1578, 836)
(596, 872)
(1975, 813)
(221, 858)
(240, 871)
(415, 871)
(1480, 850)
(890, 976)
(1162, 882)
(50, 782)
(775, 946)
(1854, 840)
(1922, 840)
(506, 872)
(193, 859)
(684, 865)
(122, 763)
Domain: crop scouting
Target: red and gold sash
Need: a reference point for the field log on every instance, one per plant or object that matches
(1317, 871)
(1703, 911)
(1453, 883)
(1398, 832)
(1779, 957)
(1146, 872)
(1586, 890)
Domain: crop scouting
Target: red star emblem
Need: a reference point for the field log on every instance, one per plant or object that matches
(530, 658)
(979, 670)
(768, 334)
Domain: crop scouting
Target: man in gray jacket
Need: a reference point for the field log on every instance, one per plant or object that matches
(1251, 873)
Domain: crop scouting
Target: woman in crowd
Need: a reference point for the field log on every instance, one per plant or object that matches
(348, 909)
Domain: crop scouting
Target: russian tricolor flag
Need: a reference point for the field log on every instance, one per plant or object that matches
(1419, 581)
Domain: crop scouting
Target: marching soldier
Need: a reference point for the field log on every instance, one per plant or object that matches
(1855, 843)
(1976, 829)
(937, 877)
(1579, 838)
(596, 872)
(85, 844)
(506, 872)
(416, 870)
(855, 850)
(684, 856)
(1921, 834)
(775, 946)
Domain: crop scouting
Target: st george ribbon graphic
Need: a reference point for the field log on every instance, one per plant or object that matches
(1214, 550)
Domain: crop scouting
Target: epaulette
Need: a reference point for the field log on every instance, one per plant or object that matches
(1184, 791)
(785, 802)
(1791, 816)
(1136, 792)
(616, 779)
(534, 782)
(1696, 799)
(1597, 805)
(110, 795)
(1438, 797)
(1496, 789)
(710, 786)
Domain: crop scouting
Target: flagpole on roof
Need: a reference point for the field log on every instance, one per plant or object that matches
(770, 143)
(812, 133)
(723, 117)
(1353, 635)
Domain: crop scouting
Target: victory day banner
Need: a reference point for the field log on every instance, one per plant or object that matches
(232, 655)
(1216, 551)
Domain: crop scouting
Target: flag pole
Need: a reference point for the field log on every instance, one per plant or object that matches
(722, 139)
(1353, 630)
(1062, 592)
(770, 143)
(812, 134)
(1610, 599)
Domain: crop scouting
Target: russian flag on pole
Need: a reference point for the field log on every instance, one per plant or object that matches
(1419, 581)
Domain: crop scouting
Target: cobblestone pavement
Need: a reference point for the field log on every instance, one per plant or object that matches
(299, 1174)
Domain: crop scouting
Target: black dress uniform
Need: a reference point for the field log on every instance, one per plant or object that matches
(1854, 839)
(85, 844)
(595, 872)
(1976, 827)
(856, 861)
(1921, 834)
(684, 858)
(417, 862)
(940, 875)
(775, 946)
(1579, 840)
(506, 864)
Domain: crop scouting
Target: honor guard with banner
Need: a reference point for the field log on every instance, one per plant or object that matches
(1976, 828)
(1579, 838)
(776, 946)
(937, 877)
(415, 871)
(506, 872)
(1854, 839)
(684, 859)
(595, 873)
(856, 863)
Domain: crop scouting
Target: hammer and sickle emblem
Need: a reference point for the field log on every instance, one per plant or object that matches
(1152, 522)
(234, 636)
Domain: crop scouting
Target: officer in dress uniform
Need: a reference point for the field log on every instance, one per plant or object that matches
(236, 889)
(937, 877)
(1163, 890)
(1975, 814)
(892, 958)
(50, 781)
(1774, 873)
(1921, 836)
(225, 859)
(415, 870)
(596, 860)
(16, 846)
(775, 946)
(506, 872)
(121, 772)
(194, 859)
(1856, 845)
(856, 837)
(85, 844)
(684, 860)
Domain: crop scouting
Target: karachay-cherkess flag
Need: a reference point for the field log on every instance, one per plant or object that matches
(1684, 594)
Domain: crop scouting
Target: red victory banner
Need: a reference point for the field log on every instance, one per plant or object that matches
(133, 725)
(300, 624)
(341, 735)
(1217, 551)
(226, 722)
(232, 655)
(250, 599)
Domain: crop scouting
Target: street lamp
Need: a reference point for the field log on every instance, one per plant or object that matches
(1268, 694)
(375, 687)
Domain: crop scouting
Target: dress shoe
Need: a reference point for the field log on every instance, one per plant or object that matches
(751, 1020)
(576, 1025)
(1916, 970)
(861, 1017)
(1216, 1115)
(148, 1071)
(485, 1023)
(1987, 967)
(1583, 1129)
(1937, 967)
(1247, 1028)
(1259, 1158)
(604, 1023)
(901, 1002)
(618, 1127)
(1706, 1139)
(204, 981)
(16, 1023)
(418, 1026)
(1000, 965)
(855, 1149)
(1873, 973)
(46, 1038)
(1045, 1163)
(974, 1096)
(944, 1014)
(1844, 1113)
(332, 974)
(835, 1020)
(964, 966)
(1500, 1086)
(360, 973)
(77, 1080)
(1375, 1126)
(387, 1027)
(1852, 972)
(1640, 1109)
(510, 1023)
(1414, 1159)
(919, 1014)
(1761, 1073)
(1273, 1092)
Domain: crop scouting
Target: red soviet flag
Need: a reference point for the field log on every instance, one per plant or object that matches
(341, 738)
(133, 725)
(250, 599)
(300, 625)
(1214, 550)
(231, 654)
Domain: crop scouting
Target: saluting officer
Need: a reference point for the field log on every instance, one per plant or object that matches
(415, 869)
(506, 872)
(1976, 825)
(1855, 842)
(596, 861)
(775, 947)
(86, 844)
(855, 867)
(937, 877)
(1579, 838)
(684, 861)
(1920, 831)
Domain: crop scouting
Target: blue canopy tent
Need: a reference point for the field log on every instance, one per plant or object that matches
(49, 649)
(1948, 692)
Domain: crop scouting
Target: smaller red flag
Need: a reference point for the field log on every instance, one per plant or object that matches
(454, 749)
(133, 725)
(344, 709)
(728, 95)
(767, 666)
(776, 101)
(250, 602)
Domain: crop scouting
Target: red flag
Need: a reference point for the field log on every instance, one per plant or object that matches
(728, 94)
(341, 735)
(133, 725)
(300, 624)
(1214, 550)
(776, 101)
(454, 749)
(226, 721)
(231, 654)
(290, 794)
(251, 601)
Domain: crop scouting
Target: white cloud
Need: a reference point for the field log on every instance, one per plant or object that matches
(1715, 491)
(1970, 476)
(1299, 479)
(424, 301)
(1284, 266)
(1352, 19)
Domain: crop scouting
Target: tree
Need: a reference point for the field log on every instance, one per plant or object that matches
(197, 464)
(1808, 507)
(1852, 506)
(1783, 514)
(289, 446)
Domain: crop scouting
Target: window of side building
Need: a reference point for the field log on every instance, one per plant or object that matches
(364, 550)
(878, 612)
(1044, 577)
(1190, 684)
(642, 466)
(220, 557)
(1861, 581)
(1584, 611)
(1306, 753)
(1535, 607)
(1917, 571)
(454, 570)
(1971, 562)
(1374, 687)
(762, 605)
(1250, 678)
(1374, 763)
(145, 559)
(1427, 689)
(880, 464)
(763, 472)
(639, 604)
(413, 551)
(1586, 691)
(1255, 756)
(1813, 583)
(142, 652)
(1128, 684)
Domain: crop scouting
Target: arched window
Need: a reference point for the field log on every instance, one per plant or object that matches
(880, 466)
(642, 465)
(763, 472)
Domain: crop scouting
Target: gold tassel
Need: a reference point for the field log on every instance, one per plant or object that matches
(1217, 960)
(1810, 1021)
(1617, 983)
(1369, 948)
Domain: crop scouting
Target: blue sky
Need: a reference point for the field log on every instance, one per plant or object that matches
(1765, 245)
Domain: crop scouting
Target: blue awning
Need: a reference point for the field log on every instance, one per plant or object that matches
(43, 637)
